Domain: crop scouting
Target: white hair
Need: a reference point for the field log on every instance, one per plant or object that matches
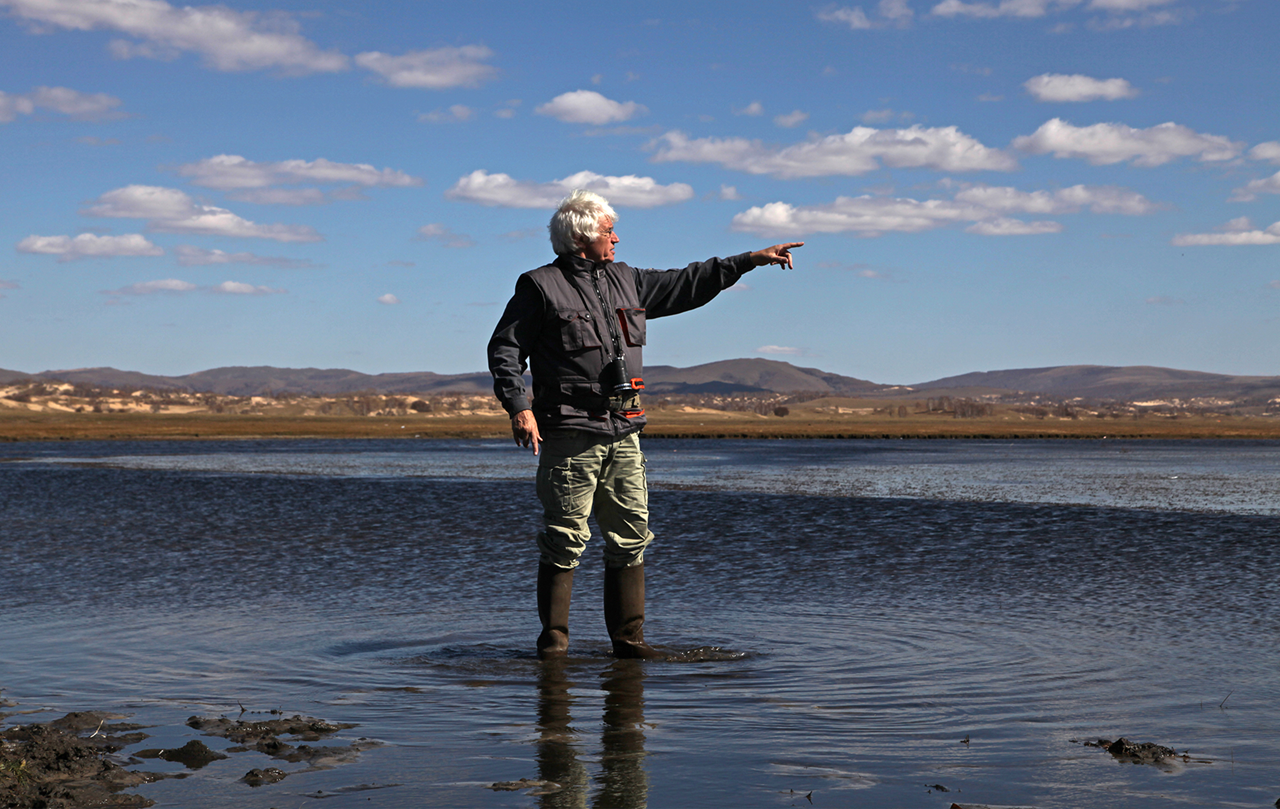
(577, 221)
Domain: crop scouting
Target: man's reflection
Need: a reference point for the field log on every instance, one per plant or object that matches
(623, 781)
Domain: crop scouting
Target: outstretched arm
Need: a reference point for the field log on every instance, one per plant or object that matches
(778, 254)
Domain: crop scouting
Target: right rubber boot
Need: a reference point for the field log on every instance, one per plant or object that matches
(624, 613)
(555, 590)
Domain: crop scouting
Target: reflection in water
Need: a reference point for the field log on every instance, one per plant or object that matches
(624, 784)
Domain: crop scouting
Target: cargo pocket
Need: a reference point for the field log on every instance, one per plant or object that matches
(633, 322)
(577, 330)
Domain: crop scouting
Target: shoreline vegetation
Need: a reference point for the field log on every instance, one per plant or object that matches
(54, 426)
(42, 411)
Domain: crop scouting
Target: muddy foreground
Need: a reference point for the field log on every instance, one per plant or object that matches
(75, 761)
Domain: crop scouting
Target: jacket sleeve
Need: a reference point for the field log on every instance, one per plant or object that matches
(671, 292)
(517, 330)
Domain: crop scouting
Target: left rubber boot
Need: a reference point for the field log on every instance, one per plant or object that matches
(624, 613)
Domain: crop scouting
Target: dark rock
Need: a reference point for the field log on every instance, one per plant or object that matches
(193, 755)
(271, 775)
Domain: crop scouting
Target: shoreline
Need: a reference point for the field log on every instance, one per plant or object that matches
(45, 426)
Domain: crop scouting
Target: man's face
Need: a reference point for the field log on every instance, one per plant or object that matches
(601, 248)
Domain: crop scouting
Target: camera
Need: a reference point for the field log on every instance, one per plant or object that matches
(617, 381)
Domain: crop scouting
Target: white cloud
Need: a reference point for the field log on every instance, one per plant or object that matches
(433, 69)
(167, 285)
(860, 151)
(173, 286)
(87, 245)
(1104, 144)
(189, 256)
(855, 18)
(281, 196)
(233, 171)
(238, 288)
(1235, 233)
(1101, 199)
(1006, 8)
(445, 236)
(1126, 5)
(628, 191)
(453, 115)
(1251, 190)
(589, 107)
(1269, 151)
(896, 13)
(72, 103)
(388, 299)
(172, 211)
(729, 192)
(1012, 227)
(11, 106)
(794, 118)
(1059, 87)
(754, 108)
(865, 215)
(984, 209)
(782, 350)
(227, 39)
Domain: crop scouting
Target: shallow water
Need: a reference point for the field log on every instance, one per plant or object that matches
(860, 608)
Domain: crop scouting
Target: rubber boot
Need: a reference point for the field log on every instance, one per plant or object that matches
(624, 612)
(555, 589)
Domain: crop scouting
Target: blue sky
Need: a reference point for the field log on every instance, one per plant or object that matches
(980, 185)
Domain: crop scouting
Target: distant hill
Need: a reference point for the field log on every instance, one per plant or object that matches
(1126, 383)
(751, 376)
(727, 377)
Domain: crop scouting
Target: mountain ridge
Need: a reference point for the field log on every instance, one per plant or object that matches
(723, 377)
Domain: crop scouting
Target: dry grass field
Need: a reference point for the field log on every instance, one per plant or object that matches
(800, 422)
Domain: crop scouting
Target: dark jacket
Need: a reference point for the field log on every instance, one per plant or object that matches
(564, 320)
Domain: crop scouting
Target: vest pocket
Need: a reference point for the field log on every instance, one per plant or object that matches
(633, 326)
(577, 330)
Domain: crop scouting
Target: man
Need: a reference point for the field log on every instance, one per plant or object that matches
(579, 323)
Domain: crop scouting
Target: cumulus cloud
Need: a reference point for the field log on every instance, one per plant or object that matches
(1058, 87)
(794, 118)
(729, 192)
(239, 288)
(1003, 226)
(1118, 13)
(985, 210)
(88, 245)
(227, 39)
(855, 18)
(233, 172)
(166, 285)
(629, 191)
(754, 108)
(190, 256)
(175, 286)
(72, 103)
(432, 69)
(1101, 199)
(1237, 232)
(1104, 144)
(438, 232)
(589, 107)
(860, 151)
(172, 211)
(388, 299)
(1269, 151)
(453, 115)
(1250, 191)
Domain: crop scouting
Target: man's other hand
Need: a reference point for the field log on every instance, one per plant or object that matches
(525, 428)
(778, 254)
